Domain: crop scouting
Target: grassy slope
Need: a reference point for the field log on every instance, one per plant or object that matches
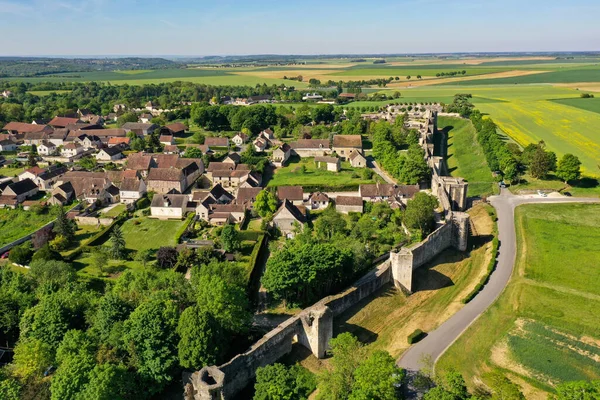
(465, 156)
(15, 224)
(592, 105)
(554, 284)
(150, 233)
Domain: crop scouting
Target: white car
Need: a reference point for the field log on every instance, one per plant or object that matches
(542, 193)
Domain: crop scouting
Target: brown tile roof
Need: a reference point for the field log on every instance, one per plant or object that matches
(217, 141)
(349, 201)
(119, 140)
(166, 138)
(328, 160)
(310, 144)
(171, 148)
(319, 196)
(36, 136)
(139, 161)
(355, 154)
(23, 127)
(407, 191)
(220, 166)
(377, 190)
(138, 126)
(35, 170)
(101, 133)
(347, 141)
(297, 212)
(290, 193)
(131, 185)
(176, 127)
(63, 122)
(166, 160)
(169, 200)
(165, 174)
(247, 195)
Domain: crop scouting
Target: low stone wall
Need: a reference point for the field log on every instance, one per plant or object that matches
(93, 221)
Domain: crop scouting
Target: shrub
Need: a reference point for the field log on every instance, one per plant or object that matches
(416, 336)
(46, 253)
(21, 254)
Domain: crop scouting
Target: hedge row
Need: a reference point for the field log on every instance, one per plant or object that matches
(184, 228)
(255, 252)
(250, 235)
(416, 336)
(491, 265)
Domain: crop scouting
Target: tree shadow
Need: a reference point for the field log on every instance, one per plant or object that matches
(451, 170)
(364, 335)
(587, 183)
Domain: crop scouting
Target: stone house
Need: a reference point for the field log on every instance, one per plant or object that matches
(318, 201)
(171, 149)
(289, 218)
(310, 147)
(140, 162)
(90, 142)
(268, 134)
(103, 134)
(131, 190)
(71, 150)
(63, 122)
(21, 190)
(119, 141)
(344, 145)
(169, 206)
(333, 164)
(145, 118)
(232, 158)
(247, 196)
(281, 155)
(45, 179)
(19, 129)
(388, 192)
(35, 138)
(294, 194)
(175, 129)
(222, 142)
(240, 139)
(166, 140)
(229, 178)
(62, 194)
(110, 154)
(140, 129)
(166, 180)
(47, 148)
(221, 214)
(260, 145)
(88, 186)
(357, 160)
(348, 204)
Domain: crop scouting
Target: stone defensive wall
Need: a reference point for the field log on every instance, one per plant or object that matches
(313, 327)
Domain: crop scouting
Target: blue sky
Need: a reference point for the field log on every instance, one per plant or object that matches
(200, 27)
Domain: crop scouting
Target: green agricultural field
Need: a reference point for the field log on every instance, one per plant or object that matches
(17, 223)
(305, 173)
(592, 105)
(413, 71)
(42, 93)
(544, 328)
(465, 156)
(571, 75)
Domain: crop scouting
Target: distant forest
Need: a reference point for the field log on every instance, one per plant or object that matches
(34, 66)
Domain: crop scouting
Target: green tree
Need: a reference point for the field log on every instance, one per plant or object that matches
(151, 340)
(192, 152)
(99, 258)
(266, 203)
(202, 339)
(144, 256)
(337, 383)
(108, 382)
(117, 243)
(569, 168)
(329, 224)
(230, 240)
(503, 388)
(578, 390)
(64, 226)
(72, 376)
(10, 389)
(46, 253)
(420, 212)
(108, 319)
(376, 378)
(50, 276)
(31, 358)
(21, 254)
(127, 117)
(278, 382)
(88, 163)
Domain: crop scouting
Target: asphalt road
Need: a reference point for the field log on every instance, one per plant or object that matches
(436, 342)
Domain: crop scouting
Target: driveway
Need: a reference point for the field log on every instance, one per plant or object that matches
(436, 343)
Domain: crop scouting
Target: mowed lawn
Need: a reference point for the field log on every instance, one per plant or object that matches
(304, 172)
(146, 233)
(544, 329)
(465, 156)
(15, 224)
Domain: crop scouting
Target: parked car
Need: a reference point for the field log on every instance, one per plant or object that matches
(568, 194)
(542, 193)
(4, 256)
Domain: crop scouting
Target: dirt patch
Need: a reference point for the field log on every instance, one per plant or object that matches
(583, 86)
(502, 358)
(465, 61)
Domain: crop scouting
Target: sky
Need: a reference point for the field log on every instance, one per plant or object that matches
(227, 27)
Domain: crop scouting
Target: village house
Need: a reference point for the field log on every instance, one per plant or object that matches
(21, 190)
(169, 206)
(8, 145)
(119, 108)
(35, 138)
(294, 194)
(62, 122)
(166, 140)
(289, 218)
(171, 149)
(357, 160)
(268, 134)
(216, 195)
(89, 142)
(281, 155)
(318, 201)
(132, 189)
(348, 204)
(71, 150)
(47, 148)
(166, 180)
(19, 129)
(152, 106)
(215, 207)
(388, 192)
(247, 196)
(310, 147)
(58, 137)
(344, 145)
(217, 142)
(332, 164)
(110, 154)
(260, 99)
(61, 195)
(104, 134)
(240, 139)
(220, 166)
(141, 163)
(175, 129)
(145, 118)
(119, 141)
(231, 178)
(88, 186)
(140, 129)
(112, 117)
(260, 145)
(43, 178)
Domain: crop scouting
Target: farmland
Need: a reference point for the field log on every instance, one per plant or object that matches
(543, 330)
(592, 105)
(17, 223)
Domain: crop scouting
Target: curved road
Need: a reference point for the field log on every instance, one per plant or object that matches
(436, 343)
